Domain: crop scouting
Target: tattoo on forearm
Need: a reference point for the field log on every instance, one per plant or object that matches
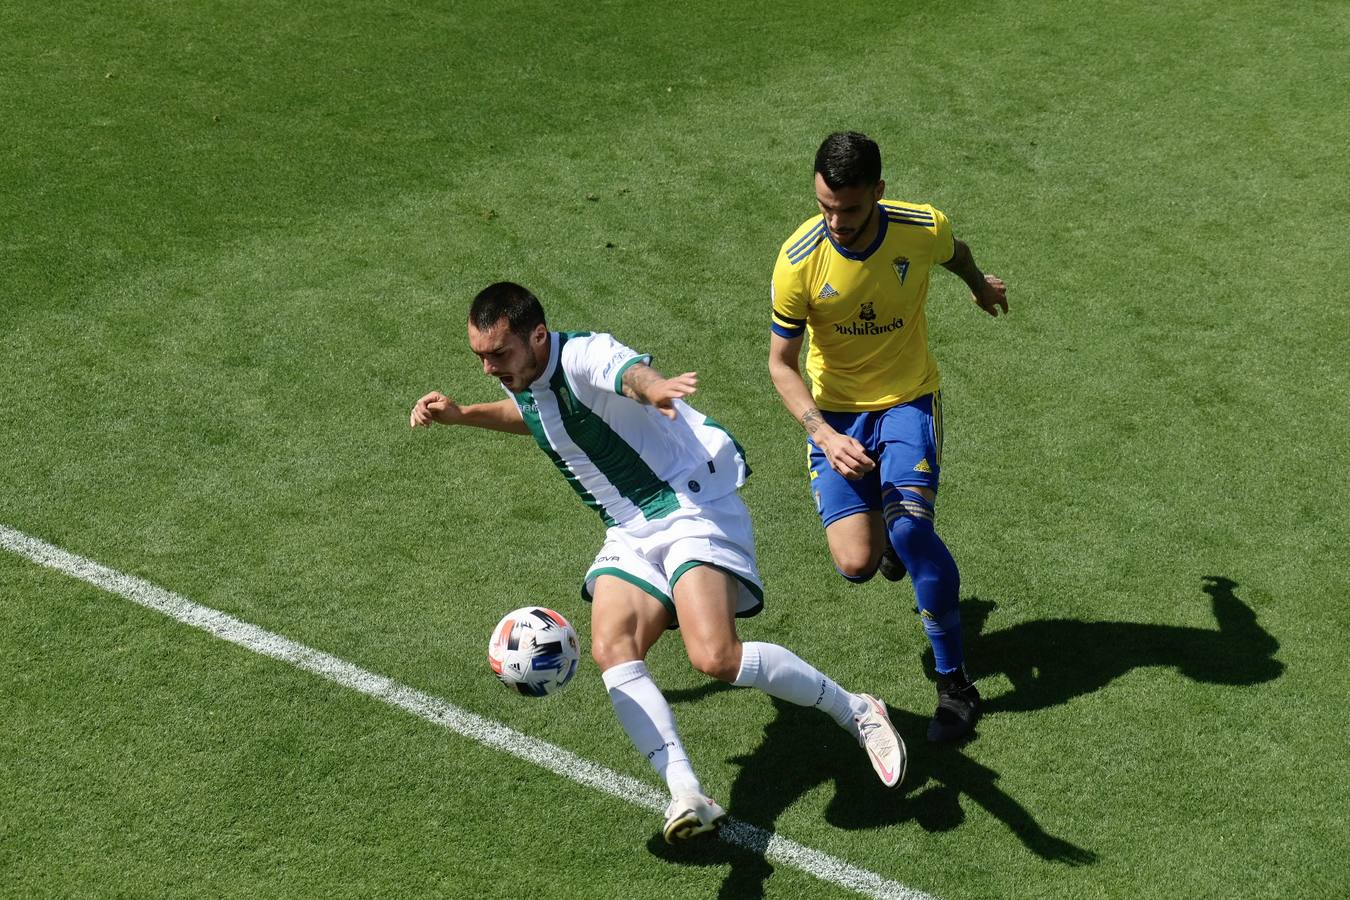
(962, 265)
(637, 379)
(811, 420)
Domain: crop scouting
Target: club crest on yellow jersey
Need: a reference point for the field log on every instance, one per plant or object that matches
(901, 266)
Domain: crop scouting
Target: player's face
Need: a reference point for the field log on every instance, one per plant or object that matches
(506, 356)
(850, 212)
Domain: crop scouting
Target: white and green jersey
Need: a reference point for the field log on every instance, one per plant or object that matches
(625, 460)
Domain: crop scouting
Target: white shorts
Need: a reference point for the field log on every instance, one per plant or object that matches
(654, 555)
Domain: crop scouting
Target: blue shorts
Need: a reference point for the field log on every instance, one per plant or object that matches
(904, 441)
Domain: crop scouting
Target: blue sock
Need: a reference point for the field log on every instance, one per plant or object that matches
(937, 583)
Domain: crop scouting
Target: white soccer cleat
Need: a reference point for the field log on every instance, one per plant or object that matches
(882, 742)
(688, 816)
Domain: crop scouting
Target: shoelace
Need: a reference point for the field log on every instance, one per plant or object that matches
(864, 729)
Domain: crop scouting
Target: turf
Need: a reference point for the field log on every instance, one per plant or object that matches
(238, 240)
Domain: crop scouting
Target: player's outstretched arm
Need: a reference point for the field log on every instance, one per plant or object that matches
(988, 291)
(503, 415)
(646, 385)
(846, 455)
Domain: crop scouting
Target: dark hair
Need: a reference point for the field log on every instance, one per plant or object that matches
(848, 159)
(506, 300)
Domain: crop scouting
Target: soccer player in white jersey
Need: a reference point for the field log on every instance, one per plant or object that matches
(678, 552)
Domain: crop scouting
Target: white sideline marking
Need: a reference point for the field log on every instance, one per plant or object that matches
(485, 731)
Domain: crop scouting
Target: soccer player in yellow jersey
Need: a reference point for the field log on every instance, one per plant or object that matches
(855, 279)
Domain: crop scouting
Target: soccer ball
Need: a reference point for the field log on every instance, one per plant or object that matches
(534, 650)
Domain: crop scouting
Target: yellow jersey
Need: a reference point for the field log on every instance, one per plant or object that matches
(863, 311)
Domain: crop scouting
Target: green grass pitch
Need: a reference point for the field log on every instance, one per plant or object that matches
(237, 241)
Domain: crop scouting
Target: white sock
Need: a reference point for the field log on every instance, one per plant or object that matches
(779, 672)
(646, 717)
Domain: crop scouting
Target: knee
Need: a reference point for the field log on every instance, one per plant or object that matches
(721, 660)
(608, 654)
(856, 563)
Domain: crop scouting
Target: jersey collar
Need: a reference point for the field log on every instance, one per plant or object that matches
(861, 255)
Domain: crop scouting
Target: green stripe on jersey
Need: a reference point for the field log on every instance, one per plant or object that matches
(611, 454)
(529, 411)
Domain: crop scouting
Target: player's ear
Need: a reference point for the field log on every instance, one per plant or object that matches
(880, 190)
(539, 337)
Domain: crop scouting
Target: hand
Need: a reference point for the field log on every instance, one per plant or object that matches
(434, 407)
(663, 394)
(846, 455)
(992, 296)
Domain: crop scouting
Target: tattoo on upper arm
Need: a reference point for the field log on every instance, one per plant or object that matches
(636, 379)
(811, 420)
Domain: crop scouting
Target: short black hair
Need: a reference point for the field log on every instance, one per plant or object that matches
(848, 159)
(506, 300)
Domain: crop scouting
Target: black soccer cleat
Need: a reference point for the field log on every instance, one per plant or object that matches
(890, 567)
(958, 708)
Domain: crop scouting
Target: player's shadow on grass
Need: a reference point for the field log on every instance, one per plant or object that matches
(802, 749)
(1048, 662)
(1051, 661)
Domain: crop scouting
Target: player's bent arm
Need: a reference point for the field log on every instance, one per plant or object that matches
(846, 456)
(646, 385)
(962, 265)
(784, 369)
(435, 407)
(503, 415)
(638, 380)
(988, 291)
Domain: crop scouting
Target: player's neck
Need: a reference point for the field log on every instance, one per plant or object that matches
(540, 358)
